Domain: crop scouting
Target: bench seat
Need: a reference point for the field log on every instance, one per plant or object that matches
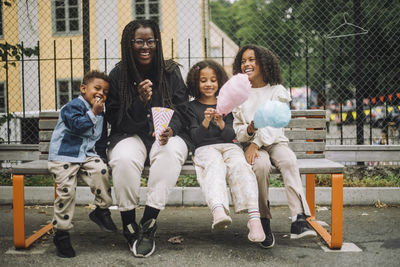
(316, 166)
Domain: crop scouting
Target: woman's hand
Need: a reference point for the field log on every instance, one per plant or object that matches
(251, 129)
(145, 91)
(208, 115)
(165, 135)
(251, 153)
(219, 120)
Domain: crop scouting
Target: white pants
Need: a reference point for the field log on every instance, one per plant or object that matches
(216, 163)
(127, 160)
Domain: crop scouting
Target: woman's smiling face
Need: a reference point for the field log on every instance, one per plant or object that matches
(144, 53)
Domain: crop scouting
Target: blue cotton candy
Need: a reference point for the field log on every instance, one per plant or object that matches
(272, 113)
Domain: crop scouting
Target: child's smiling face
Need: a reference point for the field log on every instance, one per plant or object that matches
(250, 66)
(96, 90)
(208, 82)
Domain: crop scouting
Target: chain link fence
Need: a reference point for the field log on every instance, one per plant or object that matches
(337, 55)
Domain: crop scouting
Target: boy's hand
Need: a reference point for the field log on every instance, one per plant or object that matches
(98, 106)
(219, 120)
(164, 136)
(145, 91)
(251, 129)
(251, 153)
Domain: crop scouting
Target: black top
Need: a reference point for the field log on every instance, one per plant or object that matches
(212, 135)
(138, 120)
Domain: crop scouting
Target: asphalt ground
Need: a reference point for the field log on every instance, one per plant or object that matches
(375, 231)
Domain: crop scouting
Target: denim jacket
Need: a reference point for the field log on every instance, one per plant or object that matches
(76, 132)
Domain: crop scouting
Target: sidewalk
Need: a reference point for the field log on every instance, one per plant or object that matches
(374, 230)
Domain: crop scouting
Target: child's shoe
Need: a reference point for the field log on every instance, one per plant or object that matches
(63, 244)
(131, 233)
(300, 228)
(269, 241)
(102, 217)
(144, 246)
(221, 221)
(256, 233)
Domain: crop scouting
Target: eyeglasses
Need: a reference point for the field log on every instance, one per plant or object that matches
(140, 42)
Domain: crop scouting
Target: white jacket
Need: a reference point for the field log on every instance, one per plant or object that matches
(244, 114)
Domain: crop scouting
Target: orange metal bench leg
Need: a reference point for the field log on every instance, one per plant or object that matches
(310, 192)
(19, 216)
(334, 239)
(337, 211)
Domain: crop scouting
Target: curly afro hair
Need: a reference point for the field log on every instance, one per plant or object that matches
(266, 59)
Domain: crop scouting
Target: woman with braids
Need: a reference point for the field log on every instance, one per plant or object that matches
(268, 146)
(140, 81)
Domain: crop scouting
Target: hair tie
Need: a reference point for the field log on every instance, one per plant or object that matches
(198, 67)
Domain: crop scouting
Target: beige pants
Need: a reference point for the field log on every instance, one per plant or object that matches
(94, 172)
(127, 160)
(283, 158)
(220, 162)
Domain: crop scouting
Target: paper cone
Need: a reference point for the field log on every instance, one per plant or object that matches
(161, 118)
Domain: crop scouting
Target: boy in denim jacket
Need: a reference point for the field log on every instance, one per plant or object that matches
(72, 155)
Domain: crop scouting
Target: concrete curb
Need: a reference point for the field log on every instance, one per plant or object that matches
(192, 196)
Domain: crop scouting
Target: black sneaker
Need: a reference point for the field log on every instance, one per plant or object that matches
(144, 246)
(102, 217)
(63, 245)
(269, 241)
(300, 228)
(131, 233)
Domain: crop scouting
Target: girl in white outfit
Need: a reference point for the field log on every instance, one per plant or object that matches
(269, 146)
(216, 157)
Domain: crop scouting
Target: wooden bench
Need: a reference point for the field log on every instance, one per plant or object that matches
(306, 132)
(363, 153)
(19, 152)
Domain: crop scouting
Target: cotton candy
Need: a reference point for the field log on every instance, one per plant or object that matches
(272, 113)
(233, 93)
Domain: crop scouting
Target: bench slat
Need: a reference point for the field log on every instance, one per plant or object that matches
(297, 146)
(304, 134)
(47, 124)
(307, 123)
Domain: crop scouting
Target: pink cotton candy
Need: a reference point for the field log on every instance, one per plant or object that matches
(233, 93)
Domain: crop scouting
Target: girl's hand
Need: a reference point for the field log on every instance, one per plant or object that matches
(145, 91)
(208, 115)
(251, 153)
(98, 106)
(251, 129)
(164, 136)
(219, 120)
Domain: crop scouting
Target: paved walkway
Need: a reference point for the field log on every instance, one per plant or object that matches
(376, 231)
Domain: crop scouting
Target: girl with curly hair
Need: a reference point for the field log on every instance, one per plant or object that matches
(269, 146)
(217, 158)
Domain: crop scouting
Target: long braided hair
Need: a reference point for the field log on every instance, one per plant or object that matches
(266, 59)
(130, 76)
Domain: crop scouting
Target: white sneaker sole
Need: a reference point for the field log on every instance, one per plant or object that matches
(306, 234)
(137, 255)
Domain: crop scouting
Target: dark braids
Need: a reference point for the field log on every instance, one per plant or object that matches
(130, 76)
(266, 59)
